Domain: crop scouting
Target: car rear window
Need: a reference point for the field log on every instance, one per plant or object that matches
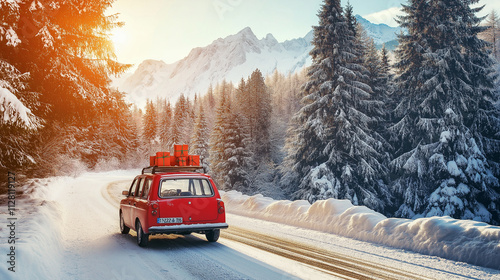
(185, 187)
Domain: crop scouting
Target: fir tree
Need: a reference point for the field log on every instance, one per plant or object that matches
(352, 23)
(17, 122)
(254, 102)
(66, 49)
(377, 79)
(217, 138)
(384, 57)
(165, 124)
(336, 153)
(180, 121)
(150, 123)
(236, 156)
(492, 34)
(211, 98)
(199, 143)
(446, 129)
(385, 70)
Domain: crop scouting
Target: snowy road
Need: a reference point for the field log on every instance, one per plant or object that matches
(75, 235)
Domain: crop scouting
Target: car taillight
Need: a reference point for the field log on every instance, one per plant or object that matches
(220, 206)
(154, 206)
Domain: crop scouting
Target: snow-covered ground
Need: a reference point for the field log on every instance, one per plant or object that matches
(462, 240)
(67, 228)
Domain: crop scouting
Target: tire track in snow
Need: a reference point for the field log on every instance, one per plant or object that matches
(333, 263)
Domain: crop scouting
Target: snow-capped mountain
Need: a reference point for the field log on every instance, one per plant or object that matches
(381, 33)
(230, 58)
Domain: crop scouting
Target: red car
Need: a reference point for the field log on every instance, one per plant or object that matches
(164, 200)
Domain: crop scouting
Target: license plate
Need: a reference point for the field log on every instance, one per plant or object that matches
(169, 220)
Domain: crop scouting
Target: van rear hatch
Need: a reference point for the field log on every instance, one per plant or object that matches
(186, 200)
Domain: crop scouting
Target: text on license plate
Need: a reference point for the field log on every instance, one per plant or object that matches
(169, 220)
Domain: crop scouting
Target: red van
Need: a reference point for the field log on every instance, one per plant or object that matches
(166, 200)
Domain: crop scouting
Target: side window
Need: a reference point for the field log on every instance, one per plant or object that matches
(132, 186)
(136, 187)
(205, 188)
(145, 188)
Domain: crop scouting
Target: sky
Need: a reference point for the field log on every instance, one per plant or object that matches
(168, 29)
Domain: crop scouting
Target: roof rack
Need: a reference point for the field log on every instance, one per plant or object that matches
(162, 169)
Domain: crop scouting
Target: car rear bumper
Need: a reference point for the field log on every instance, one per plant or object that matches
(187, 228)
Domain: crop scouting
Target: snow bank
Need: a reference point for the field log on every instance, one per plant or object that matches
(38, 245)
(460, 240)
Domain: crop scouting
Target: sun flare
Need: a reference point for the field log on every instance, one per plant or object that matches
(119, 37)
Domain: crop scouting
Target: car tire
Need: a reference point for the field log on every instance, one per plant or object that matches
(213, 235)
(142, 238)
(123, 228)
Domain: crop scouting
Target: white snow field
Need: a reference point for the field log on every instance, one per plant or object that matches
(67, 228)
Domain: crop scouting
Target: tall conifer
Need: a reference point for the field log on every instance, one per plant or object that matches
(447, 127)
(336, 153)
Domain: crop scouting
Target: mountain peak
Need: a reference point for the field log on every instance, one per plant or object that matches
(270, 41)
(246, 32)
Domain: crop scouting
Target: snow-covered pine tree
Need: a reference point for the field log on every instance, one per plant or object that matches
(189, 120)
(113, 139)
(66, 48)
(134, 153)
(336, 153)
(377, 78)
(459, 166)
(384, 57)
(180, 121)
(360, 45)
(352, 23)
(254, 103)
(217, 147)
(199, 143)
(17, 122)
(385, 70)
(150, 123)
(165, 124)
(208, 100)
(447, 127)
(492, 34)
(236, 159)
(210, 97)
